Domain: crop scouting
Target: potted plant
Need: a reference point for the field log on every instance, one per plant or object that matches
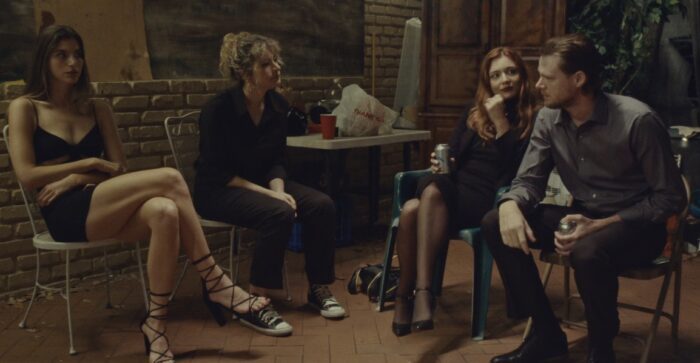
(626, 33)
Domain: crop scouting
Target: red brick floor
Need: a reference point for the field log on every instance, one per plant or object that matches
(112, 335)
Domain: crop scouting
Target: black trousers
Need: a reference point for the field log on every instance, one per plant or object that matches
(596, 259)
(274, 219)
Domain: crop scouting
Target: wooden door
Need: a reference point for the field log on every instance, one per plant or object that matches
(457, 34)
(526, 25)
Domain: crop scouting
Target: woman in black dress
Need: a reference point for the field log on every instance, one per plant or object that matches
(66, 146)
(486, 148)
(241, 177)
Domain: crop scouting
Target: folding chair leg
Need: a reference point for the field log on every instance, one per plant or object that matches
(71, 350)
(285, 277)
(657, 315)
(108, 274)
(179, 279)
(231, 242)
(386, 266)
(141, 275)
(483, 265)
(236, 252)
(545, 280)
(567, 293)
(676, 304)
(23, 323)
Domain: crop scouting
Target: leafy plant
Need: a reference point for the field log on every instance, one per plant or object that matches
(626, 33)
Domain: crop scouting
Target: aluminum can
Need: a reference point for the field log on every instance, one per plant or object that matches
(566, 228)
(442, 154)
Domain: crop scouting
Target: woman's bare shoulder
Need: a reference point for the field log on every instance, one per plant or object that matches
(21, 103)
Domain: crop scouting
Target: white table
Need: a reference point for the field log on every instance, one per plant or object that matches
(341, 144)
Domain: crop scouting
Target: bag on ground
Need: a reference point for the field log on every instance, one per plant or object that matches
(367, 280)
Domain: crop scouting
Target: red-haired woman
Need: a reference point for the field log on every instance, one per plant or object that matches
(486, 148)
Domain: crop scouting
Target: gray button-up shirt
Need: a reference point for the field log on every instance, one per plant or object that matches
(618, 162)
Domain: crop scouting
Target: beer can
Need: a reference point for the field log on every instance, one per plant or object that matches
(442, 155)
(566, 227)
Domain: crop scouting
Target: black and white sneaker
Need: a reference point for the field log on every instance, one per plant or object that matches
(321, 298)
(266, 320)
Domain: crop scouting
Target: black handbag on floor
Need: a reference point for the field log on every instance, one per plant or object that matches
(367, 279)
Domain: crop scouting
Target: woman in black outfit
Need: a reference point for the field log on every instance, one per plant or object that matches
(241, 177)
(486, 146)
(66, 147)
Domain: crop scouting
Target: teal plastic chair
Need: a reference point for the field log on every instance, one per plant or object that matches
(405, 184)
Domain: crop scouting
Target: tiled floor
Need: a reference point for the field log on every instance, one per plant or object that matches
(365, 336)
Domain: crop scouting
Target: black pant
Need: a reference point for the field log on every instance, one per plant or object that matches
(274, 219)
(596, 259)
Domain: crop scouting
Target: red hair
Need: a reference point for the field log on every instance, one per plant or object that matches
(478, 119)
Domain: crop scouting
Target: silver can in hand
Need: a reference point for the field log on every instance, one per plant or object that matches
(442, 155)
(565, 228)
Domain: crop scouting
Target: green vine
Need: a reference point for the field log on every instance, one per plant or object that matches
(626, 33)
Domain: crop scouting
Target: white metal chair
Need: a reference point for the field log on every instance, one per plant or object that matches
(44, 241)
(178, 129)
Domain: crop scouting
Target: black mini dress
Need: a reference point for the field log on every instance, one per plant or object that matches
(66, 215)
(480, 168)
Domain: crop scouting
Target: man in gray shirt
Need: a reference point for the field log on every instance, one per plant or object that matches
(614, 156)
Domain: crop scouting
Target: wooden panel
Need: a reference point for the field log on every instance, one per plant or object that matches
(526, 25)
(459, 22)
(457, 34)
(523, 23)
(455, 78)
(440, 126)
(531, 65)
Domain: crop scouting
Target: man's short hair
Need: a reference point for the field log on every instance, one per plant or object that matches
(577, 53)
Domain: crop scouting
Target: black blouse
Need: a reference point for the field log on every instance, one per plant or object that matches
(481, 166)
(230, 144)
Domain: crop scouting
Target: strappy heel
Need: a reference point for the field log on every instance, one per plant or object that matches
(217, 309)
(163, 356)
(401, 329)
(426, 324)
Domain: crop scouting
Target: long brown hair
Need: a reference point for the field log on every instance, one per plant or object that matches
(478, 118)
(38, 76)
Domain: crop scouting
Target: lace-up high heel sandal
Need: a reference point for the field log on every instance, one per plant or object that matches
(164, 356)
(265, 320)
(426, 324)
(217, 309)
(401, 329)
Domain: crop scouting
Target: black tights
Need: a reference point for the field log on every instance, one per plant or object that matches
(422, 233)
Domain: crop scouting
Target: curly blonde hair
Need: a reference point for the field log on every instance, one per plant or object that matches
(239, 52)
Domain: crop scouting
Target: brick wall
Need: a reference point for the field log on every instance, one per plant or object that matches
(140, 108)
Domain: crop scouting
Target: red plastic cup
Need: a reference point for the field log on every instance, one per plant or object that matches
(328, 126)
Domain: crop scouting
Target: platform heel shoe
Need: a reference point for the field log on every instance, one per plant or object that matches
(401, 329)
(164, 356)
(426, 324)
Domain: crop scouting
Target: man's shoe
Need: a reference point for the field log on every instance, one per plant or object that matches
(536, 349)
(601, 355)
